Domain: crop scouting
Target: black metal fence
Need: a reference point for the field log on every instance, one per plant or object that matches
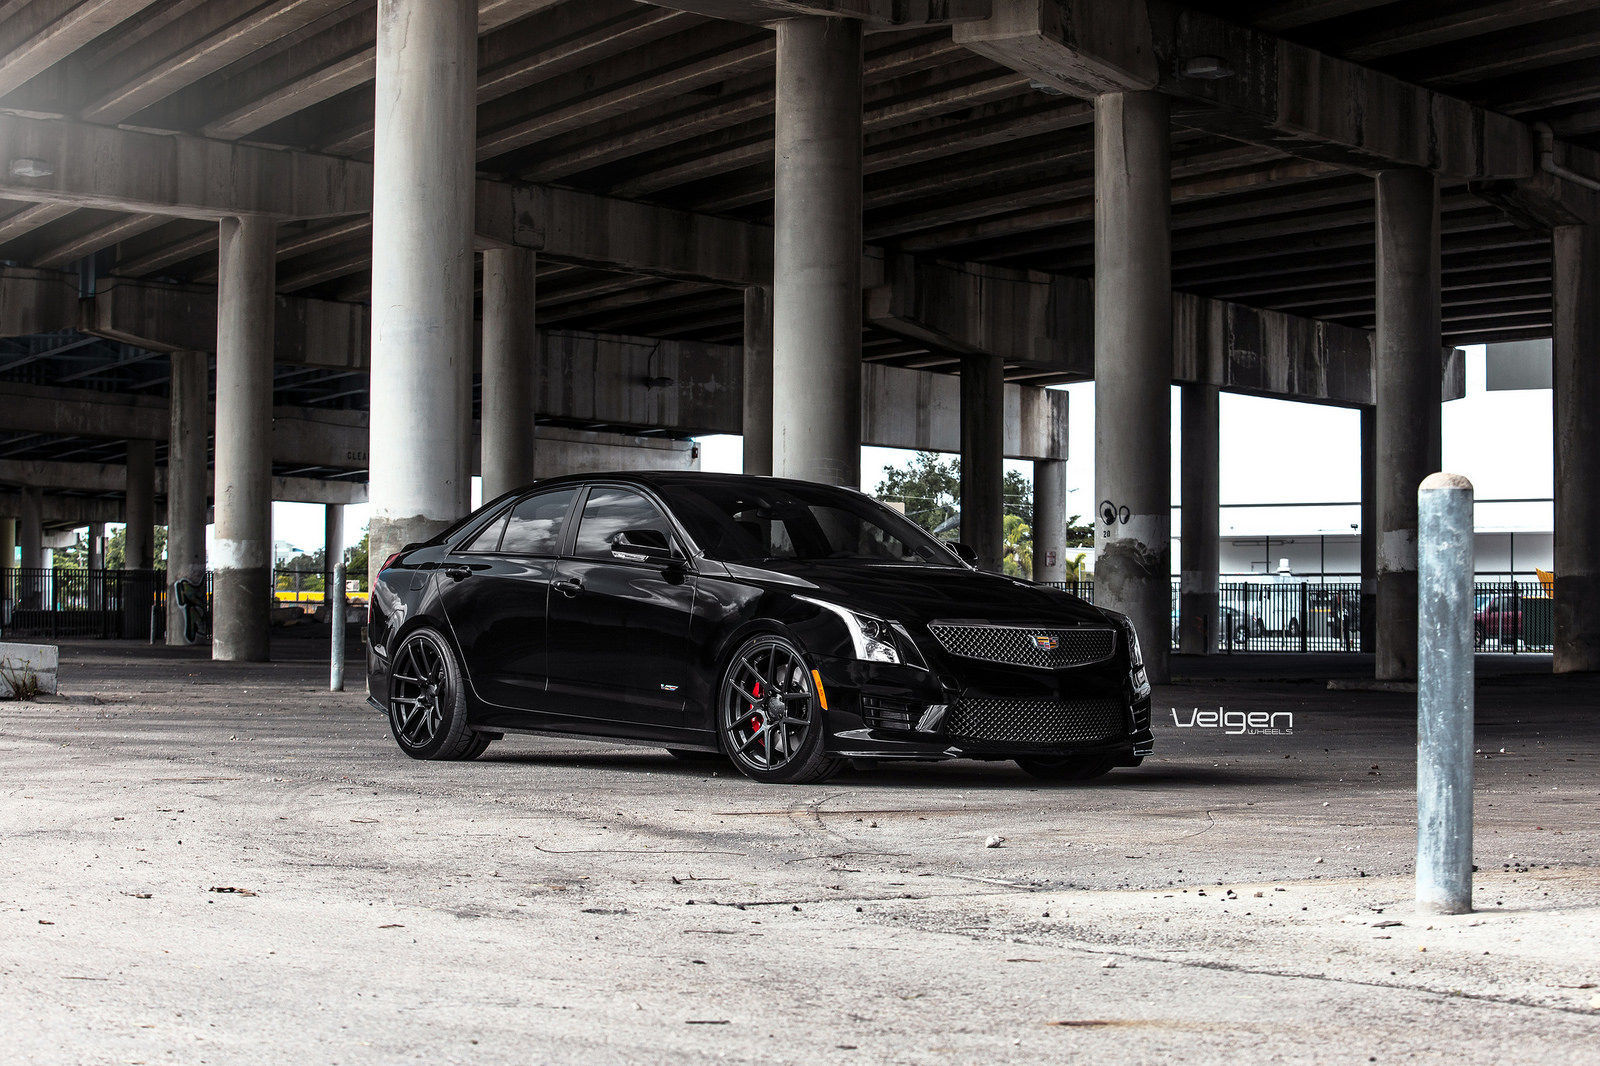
(37, 602)
(1307, 616)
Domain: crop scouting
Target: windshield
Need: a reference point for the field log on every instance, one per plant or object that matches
(755, 521)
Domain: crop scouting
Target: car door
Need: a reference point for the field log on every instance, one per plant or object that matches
(495, 592)
(620, 627)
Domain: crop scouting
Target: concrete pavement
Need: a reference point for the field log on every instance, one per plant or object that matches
(1239, 898)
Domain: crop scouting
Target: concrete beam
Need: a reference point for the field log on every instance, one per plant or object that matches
(914, 409)
(67, 512)
(46, 31)
(113, 477)
(874, 14)
(1278, 94)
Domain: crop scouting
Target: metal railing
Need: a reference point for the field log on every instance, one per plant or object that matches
(82, 603)
(1325, 616)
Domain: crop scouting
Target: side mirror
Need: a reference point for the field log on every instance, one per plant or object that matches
(642, 546)
(964, 550)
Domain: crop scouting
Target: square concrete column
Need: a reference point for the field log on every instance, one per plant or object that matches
(983, 473)
(1133, 367)
(139, 539)
(1199, 550)
(1369, 529)
(424, 151)
(30, 538)
(188, 479)
(816, 297)
(1407, 378)
(332, 544)
(1577, 447)
(97, 545)
(246, 276)
(510, 370)
(757, 422)
(8, 549)
(1050, 520)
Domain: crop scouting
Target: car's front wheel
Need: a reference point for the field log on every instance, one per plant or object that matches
(769, 714)
(428, 701)
(1071, 768)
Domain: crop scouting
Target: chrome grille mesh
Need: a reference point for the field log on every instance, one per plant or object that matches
(1027, 646)
(1019, 721)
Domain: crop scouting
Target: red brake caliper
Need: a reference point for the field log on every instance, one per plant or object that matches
(755, 723)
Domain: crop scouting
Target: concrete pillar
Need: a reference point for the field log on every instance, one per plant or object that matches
(816, 298)
(1050, 520)
(1369, 529)
(242, 541)
(187, 479)
(8, 548)
(30, 538)
(1407, 376)
(424, 152)
(983, 473)
(139, 539)
(97, 546)
(1133, 367)
(1577, 447)
(510, 370)
(757, 421)
(1199, 550)
(332, 545)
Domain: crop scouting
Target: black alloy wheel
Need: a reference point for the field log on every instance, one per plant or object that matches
(1071, 768)
(769, 719)
(427, 704)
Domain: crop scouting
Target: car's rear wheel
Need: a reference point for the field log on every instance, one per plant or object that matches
(769, 716)
(1071, 768)
(428, 701)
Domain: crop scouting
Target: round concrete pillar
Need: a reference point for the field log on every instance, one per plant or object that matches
(1133, 367)
(139, 539)
(816, 299)
(424, 152)
(757, 421)
(983, 472)
(1577, 447)
(1407, 375)
(1200, 553)
(243, 536)
(1050, 520)
(187, 478)
(30, 539)
(510, 370)
(332, 545)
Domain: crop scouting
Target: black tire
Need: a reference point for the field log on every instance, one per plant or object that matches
(769, 721)
(691, 755)
(1071, 768)
(428, 701)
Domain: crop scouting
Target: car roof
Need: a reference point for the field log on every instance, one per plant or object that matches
(651, 478)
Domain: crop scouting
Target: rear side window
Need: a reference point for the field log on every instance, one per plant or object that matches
(608, 512)
(536, 524)
(487, 539)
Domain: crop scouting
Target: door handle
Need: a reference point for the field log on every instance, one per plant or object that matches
(456, 573)
(569, 588)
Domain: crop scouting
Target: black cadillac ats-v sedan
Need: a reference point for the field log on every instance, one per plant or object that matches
(785, 625)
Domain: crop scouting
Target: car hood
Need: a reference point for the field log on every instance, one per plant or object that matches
(923, 593)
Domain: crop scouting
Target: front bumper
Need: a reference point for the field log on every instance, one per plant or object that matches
(881, 711)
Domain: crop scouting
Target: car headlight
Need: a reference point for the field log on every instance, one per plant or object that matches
(873, 639)
(1136, 671)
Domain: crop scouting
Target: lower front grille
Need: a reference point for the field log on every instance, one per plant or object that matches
(882, 712)
(1018, 721)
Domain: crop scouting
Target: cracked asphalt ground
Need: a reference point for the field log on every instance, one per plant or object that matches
(207, 863)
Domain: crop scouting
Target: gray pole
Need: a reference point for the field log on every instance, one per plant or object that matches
(1199, 550)
(1576, 306)
(510, 370)
(1444, 695)
(983, 460)
(138, 545)
(187, 479)
(757, 421)
(1049, 519)
(336, 614)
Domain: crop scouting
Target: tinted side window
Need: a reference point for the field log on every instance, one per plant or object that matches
(610, 511)
(536, 524)
(488, 538)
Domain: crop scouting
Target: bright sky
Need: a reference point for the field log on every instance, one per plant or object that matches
(1273, 452)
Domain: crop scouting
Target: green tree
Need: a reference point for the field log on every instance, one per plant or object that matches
(1016, 556)
(930, 489)
(355, 561)
(117, 548)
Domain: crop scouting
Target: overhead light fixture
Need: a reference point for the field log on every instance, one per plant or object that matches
(31, 168)
(1046, 88)
(658, 382)
(1206, 68)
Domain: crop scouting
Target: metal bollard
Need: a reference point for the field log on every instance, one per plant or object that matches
(336, 608)
(1444, 695)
